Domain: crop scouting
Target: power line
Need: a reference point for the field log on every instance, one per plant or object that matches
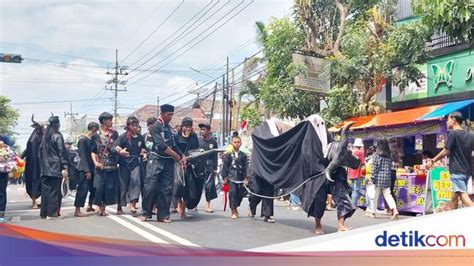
(176, 31)
(153, 32)
(199, 41)
(57, 101)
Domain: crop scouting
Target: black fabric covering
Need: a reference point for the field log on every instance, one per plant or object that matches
(287, 160)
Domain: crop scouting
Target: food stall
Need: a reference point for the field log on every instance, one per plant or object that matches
(415, 134)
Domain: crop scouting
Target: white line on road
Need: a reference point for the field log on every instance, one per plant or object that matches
(162, 232)
(137, 230)
(36, 210)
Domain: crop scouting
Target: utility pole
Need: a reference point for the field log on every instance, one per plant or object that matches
(157, 106)
(231, 103)
(118, 71)
(71, 116)
(227, 125)
(223, 111)
(213, 103)
(243, 86)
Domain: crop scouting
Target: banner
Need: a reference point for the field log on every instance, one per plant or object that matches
(441, 189)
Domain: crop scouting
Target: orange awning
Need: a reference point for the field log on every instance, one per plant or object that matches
(386, 119)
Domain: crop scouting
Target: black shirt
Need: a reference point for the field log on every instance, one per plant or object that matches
(134, 145)
(209, 144)
(85, 159)
(187, 144)
(460, 145)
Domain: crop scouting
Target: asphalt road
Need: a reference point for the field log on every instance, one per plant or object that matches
(211, 230)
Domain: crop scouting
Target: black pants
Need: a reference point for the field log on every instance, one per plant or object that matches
(236, 194)
(106, 183)
(158, 187)
(3, 193)
(210, 185)
(341, 196)
(91, 189)
(50, 195)
(83, 186)
(129, 184)
(393, 178)
(260, 186)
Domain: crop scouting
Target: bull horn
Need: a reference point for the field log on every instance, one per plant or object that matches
(344, 134)
(52, 114)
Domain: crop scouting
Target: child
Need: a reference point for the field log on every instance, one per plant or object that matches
(7, 164)
(234, 169)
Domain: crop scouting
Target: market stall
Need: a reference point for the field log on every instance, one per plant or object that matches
(416, 135)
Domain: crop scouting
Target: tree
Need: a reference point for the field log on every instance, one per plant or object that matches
(375, 50)
(8, 116)
(342, 103)
(453, 17)
(277, 90)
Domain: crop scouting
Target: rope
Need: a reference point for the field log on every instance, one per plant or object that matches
(279, 196)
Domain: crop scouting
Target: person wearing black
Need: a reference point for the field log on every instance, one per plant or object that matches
(458, 148)
(160, 168)
(73, 162)
(207, 142)
(149, 145)
(32, 163)
(54, 166)
(104, 157)
(130, 147)
(186, 186)
(86, 171)
(234, 172)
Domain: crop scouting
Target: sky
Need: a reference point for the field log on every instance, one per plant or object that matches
(68, 46)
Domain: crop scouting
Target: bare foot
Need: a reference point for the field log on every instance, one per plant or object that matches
(34, 206)
(120, 212)
(166, 221)
(234, 216)
(394, 217)
(143, 218)
(90, 209)
(183, 215)
(343, 228)
(319, 232)
(209, 210)
(80, 214)
(370, 214)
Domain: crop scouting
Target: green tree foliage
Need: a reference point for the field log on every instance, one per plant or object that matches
(8, 116)
(342, 103)
(252, 115)
(277, 91)
(453, 17)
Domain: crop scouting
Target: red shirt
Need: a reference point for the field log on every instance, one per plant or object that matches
(357, 173)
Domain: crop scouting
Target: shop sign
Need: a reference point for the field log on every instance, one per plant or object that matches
(441, 188)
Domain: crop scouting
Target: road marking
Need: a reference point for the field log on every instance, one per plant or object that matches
(162, 232)
(36, 210)
(137, 230)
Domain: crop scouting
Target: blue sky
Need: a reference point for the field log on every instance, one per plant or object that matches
(68, 45)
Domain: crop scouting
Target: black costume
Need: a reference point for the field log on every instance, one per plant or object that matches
(189, 187)
(106, 179)
(129, 182)
(73, 170)
(32, 164)
(53, 161)
(85, 165)
(234, 168)
(158, 187)
(209, 168)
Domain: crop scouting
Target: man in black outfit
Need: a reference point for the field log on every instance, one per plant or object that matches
(458, 148)
(207, 142)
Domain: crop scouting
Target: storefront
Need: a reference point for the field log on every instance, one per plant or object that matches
(415, 134)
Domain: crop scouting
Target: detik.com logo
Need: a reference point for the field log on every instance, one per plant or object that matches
(417, 239)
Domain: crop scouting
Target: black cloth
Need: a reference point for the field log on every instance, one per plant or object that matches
(210, 185)
(106, 179)
(84, 148)
(162, 136)
(53, 155)
(73, 169)
(287, 160)
(260, 186)
(106, 184)
(82, 190)
(51, 194)
(234, 167)
(91, 190)
(211, 160)
(341, 195)
(236, 194)
(134, 145)
(158, 186)
(3, 192)
(129, 184)
(191, 191)
(460, 144)
(32, 172)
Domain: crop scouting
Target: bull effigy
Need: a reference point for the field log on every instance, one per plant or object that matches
(308, 162)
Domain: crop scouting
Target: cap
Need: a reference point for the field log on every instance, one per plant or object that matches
(167, 108)
(205, 125)
(358, 143)
(187, 121)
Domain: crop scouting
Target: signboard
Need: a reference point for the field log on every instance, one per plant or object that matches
(451, 74)
(410, 191)
(317, 78)
(412, 91)
(441, 188)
